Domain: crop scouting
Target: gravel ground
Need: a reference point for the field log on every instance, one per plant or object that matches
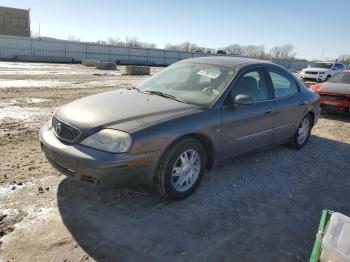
(262, 206)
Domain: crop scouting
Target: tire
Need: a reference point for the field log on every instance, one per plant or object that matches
(296, 141)
(171, 169)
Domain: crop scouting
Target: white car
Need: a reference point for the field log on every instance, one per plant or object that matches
(321, 71)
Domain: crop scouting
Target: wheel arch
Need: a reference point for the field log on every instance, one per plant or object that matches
(204, 140)
(312, 114)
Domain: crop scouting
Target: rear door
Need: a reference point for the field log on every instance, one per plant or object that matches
(247, 127)
(289, 104)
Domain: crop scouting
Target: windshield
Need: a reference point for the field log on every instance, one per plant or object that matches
(198, 84)
(322, 65)
(343, 78)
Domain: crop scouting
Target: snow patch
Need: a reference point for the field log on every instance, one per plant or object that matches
(29, 83)
(25, 114)
(35, 100)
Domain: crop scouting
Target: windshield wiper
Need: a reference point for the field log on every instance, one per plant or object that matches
(159, 93)
(135, 88)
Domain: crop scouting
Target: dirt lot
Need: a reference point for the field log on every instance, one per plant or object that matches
(263, 206)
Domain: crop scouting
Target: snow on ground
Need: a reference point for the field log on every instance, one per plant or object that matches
(24, 114)
(29, 83)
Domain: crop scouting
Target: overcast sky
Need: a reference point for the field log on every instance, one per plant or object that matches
(309, 25)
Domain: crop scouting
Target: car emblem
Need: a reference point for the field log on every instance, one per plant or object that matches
(58, 128)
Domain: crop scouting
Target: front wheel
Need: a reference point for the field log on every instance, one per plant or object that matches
(302, 135)
(181, 169)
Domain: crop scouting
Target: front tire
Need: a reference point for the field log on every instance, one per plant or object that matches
(302, 135)
(181, 169)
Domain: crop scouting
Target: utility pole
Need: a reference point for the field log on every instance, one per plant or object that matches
(323, 53)
(39, 29)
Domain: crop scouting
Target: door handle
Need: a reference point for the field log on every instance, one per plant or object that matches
(301, 103)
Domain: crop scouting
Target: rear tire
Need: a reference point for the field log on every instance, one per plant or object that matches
(301, 136)
(181, 169)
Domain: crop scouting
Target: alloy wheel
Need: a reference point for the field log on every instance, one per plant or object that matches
(186, 170)
(303, 131)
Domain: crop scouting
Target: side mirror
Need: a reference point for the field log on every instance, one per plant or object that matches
(242, 99)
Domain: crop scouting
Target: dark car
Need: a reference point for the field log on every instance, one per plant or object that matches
(181, 121)
(335, 92)
(221, 52)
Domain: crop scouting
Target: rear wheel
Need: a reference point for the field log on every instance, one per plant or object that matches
(302, 135)
(181, 169)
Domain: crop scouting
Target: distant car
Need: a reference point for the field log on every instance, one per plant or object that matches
(168, 130)
(321, 71)
(221, 52)
(197, 51)
(335, 92)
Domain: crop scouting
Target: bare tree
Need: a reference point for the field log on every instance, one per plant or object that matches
(73, 38)
(283, 52)
(344, 58)
(256, 51)
(128, 42)
(185, 46)
(235, 49)
(115, 41)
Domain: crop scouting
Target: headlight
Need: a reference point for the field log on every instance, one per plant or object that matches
(109, 140)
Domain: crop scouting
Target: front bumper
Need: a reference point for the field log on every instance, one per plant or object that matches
(335, 104)
(97, 167)
(316, 77)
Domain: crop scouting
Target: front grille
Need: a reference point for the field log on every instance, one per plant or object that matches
(310, 73)
(64, 131)
(337, 97)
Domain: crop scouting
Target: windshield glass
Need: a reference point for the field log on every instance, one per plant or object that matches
(343, 78)
(198, 84)
(322, 65)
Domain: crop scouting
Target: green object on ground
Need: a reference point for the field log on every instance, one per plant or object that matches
(316, 251)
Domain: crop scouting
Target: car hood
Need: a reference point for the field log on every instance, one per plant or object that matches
(121, 109)
(315, 69)
(335, 88)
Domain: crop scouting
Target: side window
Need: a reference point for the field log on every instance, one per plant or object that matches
(2, 20)
(282, 85)
(253, 84)
(336, 67)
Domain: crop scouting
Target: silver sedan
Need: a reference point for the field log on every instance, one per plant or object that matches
(178, 123)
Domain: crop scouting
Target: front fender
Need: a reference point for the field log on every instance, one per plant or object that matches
(160, 136)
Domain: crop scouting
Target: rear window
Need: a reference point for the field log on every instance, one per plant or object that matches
(343, 78)
(282, 85)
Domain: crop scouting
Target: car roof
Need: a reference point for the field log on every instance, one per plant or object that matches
(226, 61)
(329, 63)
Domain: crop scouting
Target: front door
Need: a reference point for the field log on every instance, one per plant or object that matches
(247, 127)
